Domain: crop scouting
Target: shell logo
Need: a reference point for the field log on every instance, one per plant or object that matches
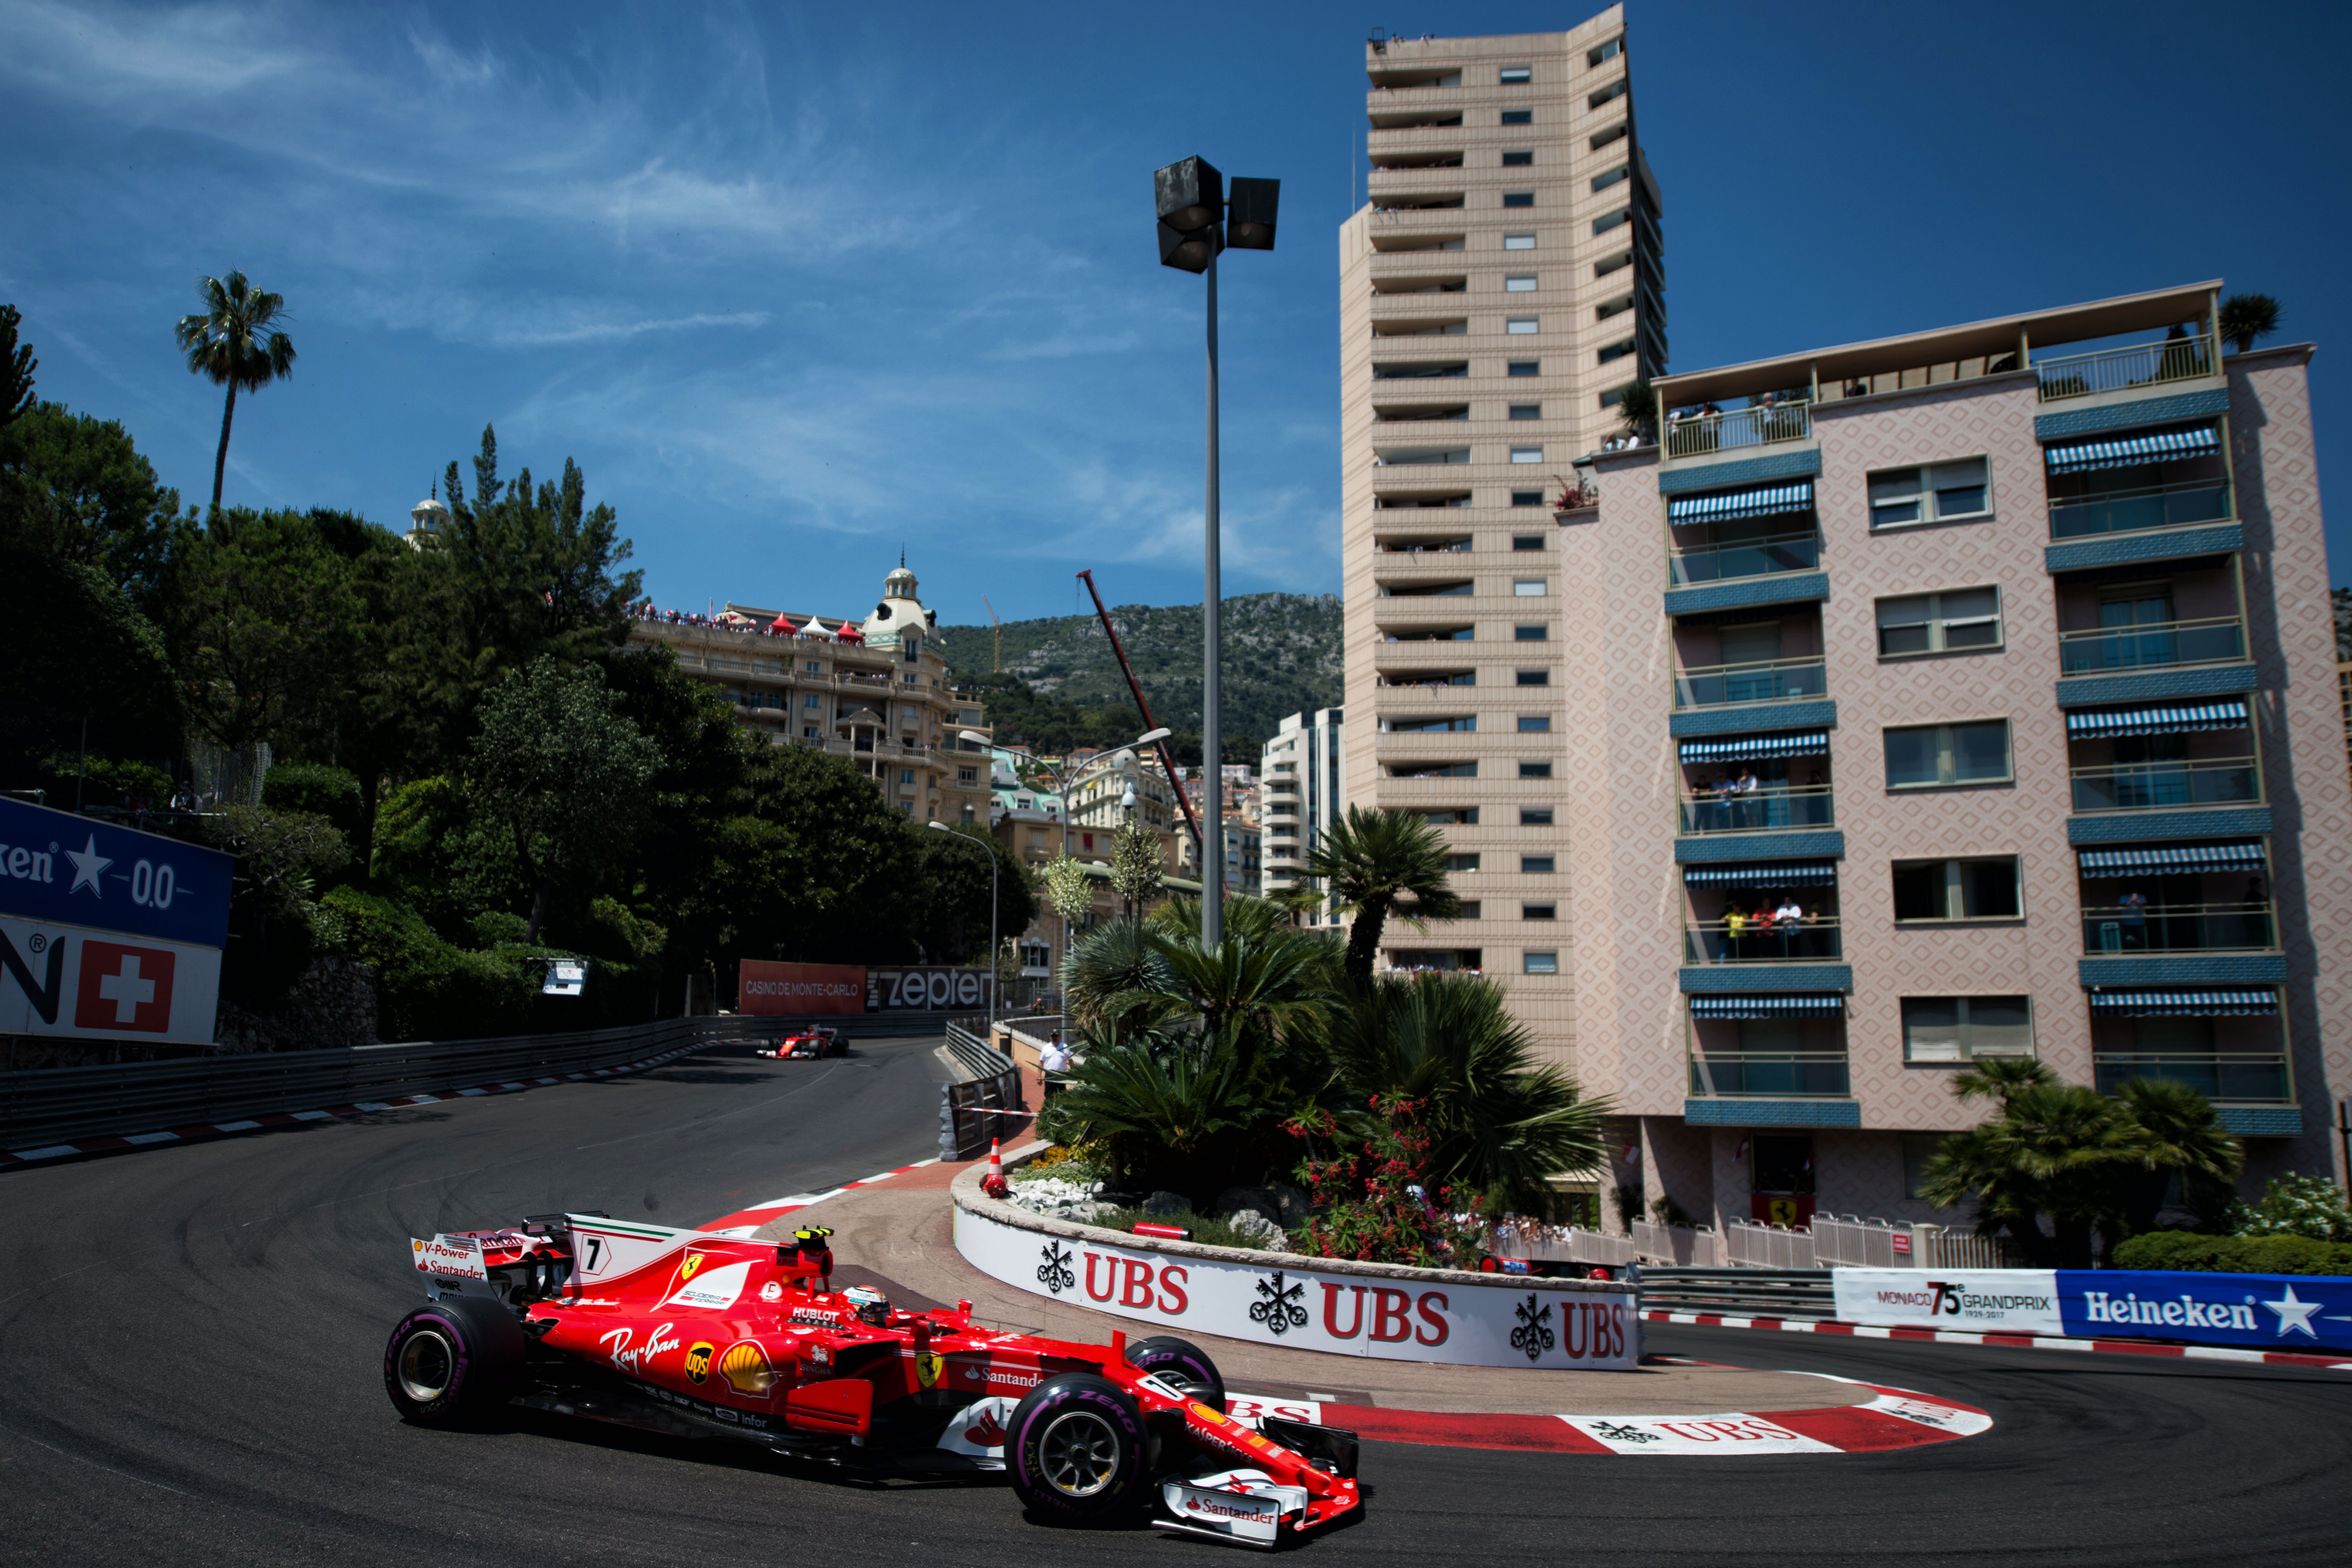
(745, 1367)
(1213, 1417)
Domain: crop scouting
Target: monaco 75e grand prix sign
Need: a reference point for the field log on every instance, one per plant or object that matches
(106, 932)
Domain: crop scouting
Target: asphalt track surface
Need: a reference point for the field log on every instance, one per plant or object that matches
(191, 1340)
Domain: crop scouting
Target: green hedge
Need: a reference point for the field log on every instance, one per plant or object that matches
(2235, 1254)
(332, 793)
(427, 989)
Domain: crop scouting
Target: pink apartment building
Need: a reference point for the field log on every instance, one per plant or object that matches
(2013, 643)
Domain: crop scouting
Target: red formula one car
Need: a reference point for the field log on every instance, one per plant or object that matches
(809, 1040)
(702, 1335)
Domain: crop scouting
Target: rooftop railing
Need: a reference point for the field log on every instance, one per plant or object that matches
(1748, 558)
(1767, 680)
(1756, 810)
(2136, 510)
(2221, 1076)
(1777, 1073)
(2162, 786)
(2112, 930)
(1809, 941)
(2218, 640)
(1761, 426)
(2120, 370)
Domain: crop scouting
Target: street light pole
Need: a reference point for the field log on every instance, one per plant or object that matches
(991, 847)
(1212, 727)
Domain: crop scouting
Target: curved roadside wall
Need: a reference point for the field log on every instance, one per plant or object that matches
(1383, 1310)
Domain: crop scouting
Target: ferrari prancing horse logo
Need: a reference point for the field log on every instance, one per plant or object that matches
(686, 1269)
(927, 1368)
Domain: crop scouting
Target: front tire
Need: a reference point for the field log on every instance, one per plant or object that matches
(1077, 1450)
(1184, 1363)
(452, 1360)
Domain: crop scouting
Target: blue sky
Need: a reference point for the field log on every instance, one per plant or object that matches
(800, 285)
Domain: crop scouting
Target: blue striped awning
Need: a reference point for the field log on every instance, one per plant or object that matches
(1757, 748)
(2120, 451)
(2185, 1003)
(1791, 1004)
(1764, 874)
(1759, 500)
(2105, 724)
(2150, 859)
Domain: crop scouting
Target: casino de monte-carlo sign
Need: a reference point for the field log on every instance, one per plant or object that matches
(106, 932)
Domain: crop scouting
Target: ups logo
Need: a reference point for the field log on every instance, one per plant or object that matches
(697, 1360)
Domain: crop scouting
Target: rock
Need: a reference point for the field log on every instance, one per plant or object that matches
(1233, 1200)
(1087, 1213)
(1167, 1203)
(1257, 1228)
(1292, 1206)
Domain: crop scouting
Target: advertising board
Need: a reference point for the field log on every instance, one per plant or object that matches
(1995, 1300)
(1391, 1318)
(2260, 1311)
(935, 987)
(767, 986)
(106, 933)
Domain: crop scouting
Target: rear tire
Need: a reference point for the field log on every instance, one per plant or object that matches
(452, 1360)
(1077, 1450)
(1184, 1363)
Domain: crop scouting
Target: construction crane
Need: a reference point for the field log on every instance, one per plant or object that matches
(1167, 757)
(996, 664)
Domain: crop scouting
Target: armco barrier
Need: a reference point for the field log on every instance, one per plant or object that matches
(54, 1105)
(966, 1126)
(1741, 1292)
(1377, 1310)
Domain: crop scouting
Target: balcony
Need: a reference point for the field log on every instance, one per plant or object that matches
(1700, 564)
(2139, 511)
(2167, 785)
(2219, 1076)
(1769, 680)
(1772, 1074)
(1756, 811)
(2163, 644)
(1706, 942)
(1765, 425)
(2115, 929)
(2127, 369)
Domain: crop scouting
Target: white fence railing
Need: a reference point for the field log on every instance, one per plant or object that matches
(1747, 1245)
(1562, 1244)
(1833, 1242)
(1677, 1245)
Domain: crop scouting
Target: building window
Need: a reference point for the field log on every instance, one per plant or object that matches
(1519, 283)
(1615, 90)
(1526, 540)
(1526, 410)
(1615, 395)
(1608, 221)
(1434, 771)
(1949, 891)
(1519, 158)
(1524, 367)
(1539, 911)
(1465, 909)
(1602, 138)
(1513, 76)
(967, 775)
(1940, 623)
(1535, 676)
(1518, 117)
(1526, 587)
(1955, 1028)
(814, 667)
(1603, 269)
(1466, 723)
(1527, 454)
(1935, 756)
(1540, 963)
(1525, 497)
(1518, 198)
(1939, 493)
(1461, 863)
(812, 701)
(1523, 325)
(1535, 770)
(1535, 723)
(1519, 242)
(1616, 351)
(1602, 181)
(906, 775)
(1460, 816)
(1605, 54)
(1536, 865)
(1531, 634)
(1535, 817)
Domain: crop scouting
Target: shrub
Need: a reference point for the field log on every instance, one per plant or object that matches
(332, 793)
(1207, 1230)
(427, 989)
(2180, 1249)
(1382, 1205)
(2299, 1206)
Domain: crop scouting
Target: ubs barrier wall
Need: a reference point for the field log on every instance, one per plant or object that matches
(1377, 1310)
(2259, 1311)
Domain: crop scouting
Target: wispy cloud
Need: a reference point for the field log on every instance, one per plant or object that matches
(609, 331)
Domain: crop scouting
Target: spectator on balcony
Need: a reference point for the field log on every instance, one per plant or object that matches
(1735, 926)
(1747, 808)
(2134, 904)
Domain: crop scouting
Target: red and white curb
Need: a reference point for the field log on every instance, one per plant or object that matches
(743, 1221)
(2008, 1341)
(201, 1131)
(1894, 1418)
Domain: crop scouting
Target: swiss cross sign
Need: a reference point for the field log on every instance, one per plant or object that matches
(124, 988)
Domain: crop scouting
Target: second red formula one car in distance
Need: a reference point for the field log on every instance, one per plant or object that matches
(809, 1040)
(710, 1336)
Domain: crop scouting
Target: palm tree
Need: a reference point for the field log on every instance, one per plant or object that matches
(1376, 863)
(1637, 410)
(2245, 317)
(230, 341)
(1502, 1122)
(2173, 1130)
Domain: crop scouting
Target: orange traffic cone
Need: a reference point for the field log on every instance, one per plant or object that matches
(995, 1160)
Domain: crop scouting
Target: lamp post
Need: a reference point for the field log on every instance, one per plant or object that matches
(1196, 221)
(943, 827)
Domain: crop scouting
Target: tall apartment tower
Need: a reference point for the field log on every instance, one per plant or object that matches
(1499, 291)
(1304, 792)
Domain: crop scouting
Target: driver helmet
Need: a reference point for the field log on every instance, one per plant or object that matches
(870, 1305)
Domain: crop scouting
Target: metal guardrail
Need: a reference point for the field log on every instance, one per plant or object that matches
(1741, 1292)
(967, 1119)
(54, 1105)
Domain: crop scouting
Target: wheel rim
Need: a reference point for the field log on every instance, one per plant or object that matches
(1079, 1454)
(426, 1363)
